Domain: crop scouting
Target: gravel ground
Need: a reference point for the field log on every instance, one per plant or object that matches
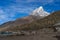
(38, 36)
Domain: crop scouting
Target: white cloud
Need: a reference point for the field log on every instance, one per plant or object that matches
(44, 2)
(10, 12)
(2, 14)
(41, 1)
(20, 9)
(1, 11)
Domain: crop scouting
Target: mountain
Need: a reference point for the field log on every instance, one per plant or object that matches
(46, 22)
(40, 12)
(25, 20)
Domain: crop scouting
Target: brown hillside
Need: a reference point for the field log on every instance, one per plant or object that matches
(45, 22)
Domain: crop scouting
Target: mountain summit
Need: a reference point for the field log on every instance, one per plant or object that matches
(40, 12)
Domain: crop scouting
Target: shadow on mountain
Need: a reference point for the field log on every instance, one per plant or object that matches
(58, 37)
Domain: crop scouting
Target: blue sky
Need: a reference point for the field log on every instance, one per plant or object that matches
(13, 9)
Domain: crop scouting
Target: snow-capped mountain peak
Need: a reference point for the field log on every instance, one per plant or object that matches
(40, 9)
(40, 12)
